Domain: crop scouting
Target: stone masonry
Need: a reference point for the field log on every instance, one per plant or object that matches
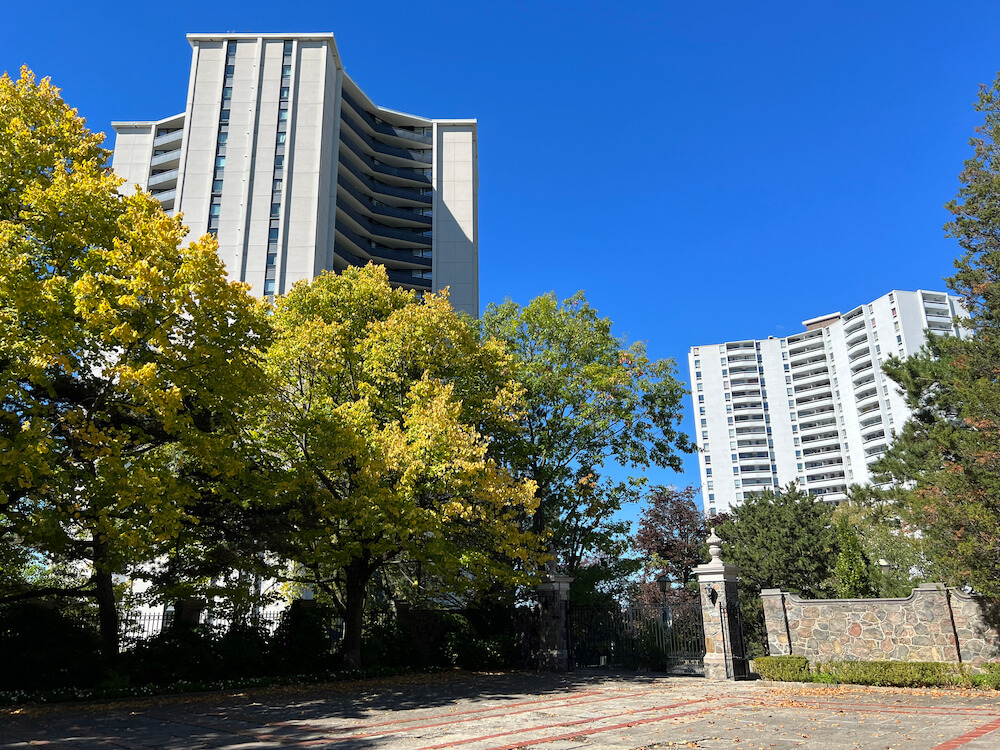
(933, 623)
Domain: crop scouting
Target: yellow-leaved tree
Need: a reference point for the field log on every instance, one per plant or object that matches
(380, 419)
(126, 358)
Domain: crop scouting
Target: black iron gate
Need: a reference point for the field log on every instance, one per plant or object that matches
(643, 637)
(737, 662)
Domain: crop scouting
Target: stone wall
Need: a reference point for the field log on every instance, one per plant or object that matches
(933, 623)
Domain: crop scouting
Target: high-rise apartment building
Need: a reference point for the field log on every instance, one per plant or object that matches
(813, 408)
(296, 171)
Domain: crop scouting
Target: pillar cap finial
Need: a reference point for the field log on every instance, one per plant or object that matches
(714, 546)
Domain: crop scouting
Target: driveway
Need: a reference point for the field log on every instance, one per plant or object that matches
(515, 711)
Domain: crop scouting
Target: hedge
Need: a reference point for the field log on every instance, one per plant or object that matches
(879, 673)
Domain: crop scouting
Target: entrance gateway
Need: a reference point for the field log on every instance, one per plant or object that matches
(647, 637)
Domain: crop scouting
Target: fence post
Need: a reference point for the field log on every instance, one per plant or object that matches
(553, 623)
(717, 584)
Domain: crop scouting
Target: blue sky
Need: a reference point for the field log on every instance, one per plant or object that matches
(706, 172)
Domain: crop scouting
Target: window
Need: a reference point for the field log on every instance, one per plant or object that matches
(700, 387)
(279, 161)
(697, 374)
(711, 485)
(283, 93)
(216, 186)
(272, 260)
(220, 161)
(269, 286)
(282, 115)
(704, 434)
(224, 115)
(708, 472)
(275, 210)
(701, 409)
(286, 71)
(230, 70)
(704, 423)
(701, 399)
(697, 363)
(227, 92)
(272, 234)
(223, 137)
(214, 209)
(276, 186)
(281, 138)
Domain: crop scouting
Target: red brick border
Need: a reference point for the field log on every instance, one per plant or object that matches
(968, 737)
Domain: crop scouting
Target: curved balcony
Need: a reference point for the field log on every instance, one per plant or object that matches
(815, 424)
(859, 338)
(381, 188)
(867, 365)
(381, 231)
(871, 421)
(807, 378)
(863, 381)
(170, 138)
(751, 430)
(163, 179)
(742, 369)
(823, 438)
(167, 159)
(811, 361)
(741, 358)
(383, 127)
(750, 455)
(819, 464)
(813, 399)
(381, 252)
(395, 276)
(755, 469)
(873, 436)
(744, 381)
(383, 149)
(384, 169)
(821, 451)
(803, 350)
(752, 443)
(371, 205)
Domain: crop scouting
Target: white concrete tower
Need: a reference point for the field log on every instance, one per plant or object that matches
(296, 171)
(813, 408)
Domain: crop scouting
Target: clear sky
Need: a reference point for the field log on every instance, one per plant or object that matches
(706, 172)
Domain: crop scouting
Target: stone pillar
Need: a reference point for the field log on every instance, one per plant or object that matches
(553, 623)
(717, 584)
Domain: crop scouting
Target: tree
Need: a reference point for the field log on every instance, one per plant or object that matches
(785, 540)
(946, 460)
(885, 538)
(590, 400)
(672, 533)
(124, 356)
(853, 574)
(380, 421)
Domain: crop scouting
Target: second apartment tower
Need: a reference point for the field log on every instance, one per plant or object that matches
(813, 408)
(296, 171)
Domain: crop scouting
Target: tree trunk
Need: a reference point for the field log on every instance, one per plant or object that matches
(107, 609)
(355, 592)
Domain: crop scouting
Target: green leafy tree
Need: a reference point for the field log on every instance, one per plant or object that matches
(591, 401)
(124, 355)
(885, 538)
(380, 421)
(785, 540)
(946, 460)
(853, 573)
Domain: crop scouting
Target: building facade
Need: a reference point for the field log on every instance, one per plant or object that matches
(814, 408)
(296, 171)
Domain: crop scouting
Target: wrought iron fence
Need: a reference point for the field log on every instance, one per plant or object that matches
(140, 625)
(653, 637)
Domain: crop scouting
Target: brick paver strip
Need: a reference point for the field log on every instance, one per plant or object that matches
(968, 737)
(451, 722)
(588, 732)
(578, 722)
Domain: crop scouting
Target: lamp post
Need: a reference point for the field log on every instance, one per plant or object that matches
(662, 583)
